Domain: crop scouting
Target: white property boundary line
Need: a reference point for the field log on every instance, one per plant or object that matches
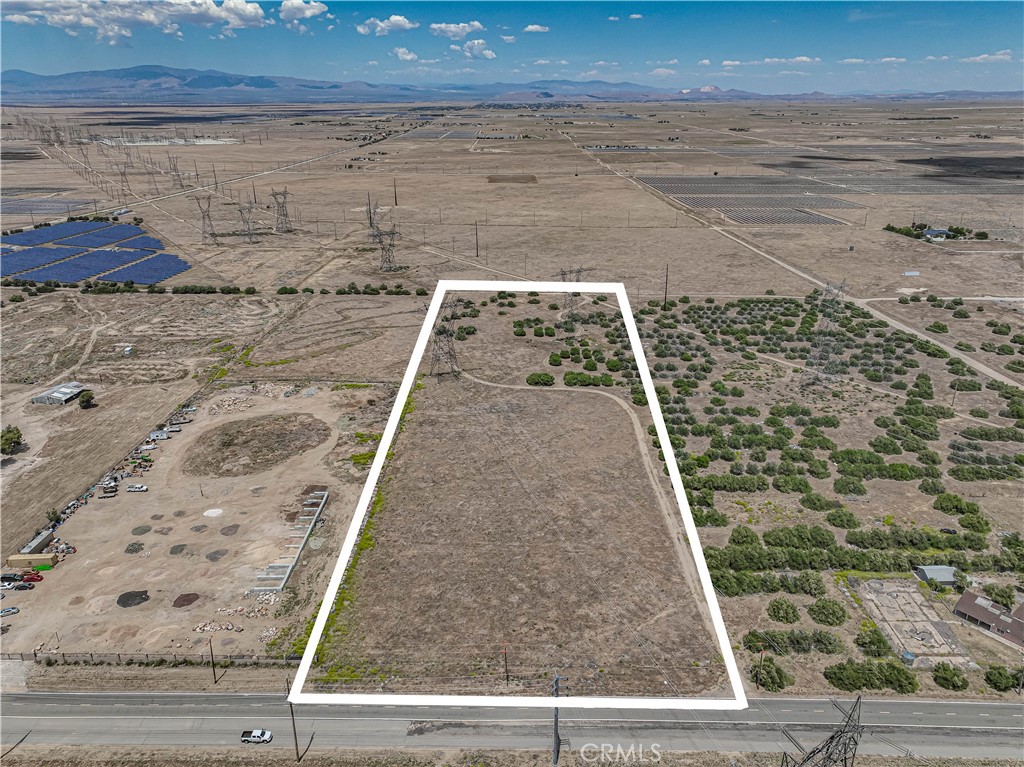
(444, 286)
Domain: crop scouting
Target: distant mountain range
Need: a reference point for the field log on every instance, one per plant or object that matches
(167, 85)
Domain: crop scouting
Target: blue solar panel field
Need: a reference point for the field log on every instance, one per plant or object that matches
(151, 271)
(86, 266)
(13, 262)
(110, 234)
(145, 243)
(55, 232)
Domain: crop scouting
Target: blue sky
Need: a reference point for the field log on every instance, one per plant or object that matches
(768, 47)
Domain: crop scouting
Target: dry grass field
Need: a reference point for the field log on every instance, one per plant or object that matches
(527, 206)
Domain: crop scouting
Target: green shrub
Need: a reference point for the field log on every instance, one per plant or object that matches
(772, 677)
(851, 676)
(849, 486)
(950, 677)
(1001, 679)
(783, 611)
(873, 643)
(828, 612)
(540, 379)
(1001, 594)
(931, 486)
(843, 518)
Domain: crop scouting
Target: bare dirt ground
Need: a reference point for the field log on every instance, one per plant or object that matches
(590, 580)
(196, 542)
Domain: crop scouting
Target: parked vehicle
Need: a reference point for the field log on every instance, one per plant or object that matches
(173, 429)
(10, 577)
(948, 531)
(6, 586)
(24, 586)
(31, 578)
(253, 736)
(137, 489)
(9, 611)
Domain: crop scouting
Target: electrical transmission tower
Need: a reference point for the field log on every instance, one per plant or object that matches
(385, 240)
(172, 163)
(154, 190)
(442, 346)
(838, 750)
(245, 211)
(209, 237)
(572, 298)
(281, 204)
(821, 368)
(122, 171)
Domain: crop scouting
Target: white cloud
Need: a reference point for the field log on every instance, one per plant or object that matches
(536, 28)
(457, 31)
(635, 16)
(892, 60)
(731, 63)
(851, 61)
(379, 28)
(794, 60)
(589, 73)
(475, 49)
(661, 72)
(372, 63)
(704, 62)
(508, 38)
(670, 61)
(613, 18)
(114, 22)
(404, 54)
(937, 58)
(546, 62)
(989, 58)
(793, 72)
(603, 63)
(292, 10)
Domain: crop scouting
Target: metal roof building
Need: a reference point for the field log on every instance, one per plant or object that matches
(941, 573)
(61, 394)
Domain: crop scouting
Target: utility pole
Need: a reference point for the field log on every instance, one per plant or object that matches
(213, 667)
(283, 223)
(556, 747)
(504, 655)
(476, 230)
(295, 732)
(664, 304)
(394, 181)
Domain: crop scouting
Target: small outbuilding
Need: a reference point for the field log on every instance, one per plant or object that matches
(942, 574)
(61, 394)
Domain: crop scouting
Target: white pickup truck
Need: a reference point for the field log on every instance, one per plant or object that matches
(257, 736)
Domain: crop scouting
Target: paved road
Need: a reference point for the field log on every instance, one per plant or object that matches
(892, 727)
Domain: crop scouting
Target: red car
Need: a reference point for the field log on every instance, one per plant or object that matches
(31, 578)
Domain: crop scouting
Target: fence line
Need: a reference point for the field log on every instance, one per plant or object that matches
(122, 658)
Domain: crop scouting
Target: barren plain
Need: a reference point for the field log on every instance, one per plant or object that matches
(672, 204)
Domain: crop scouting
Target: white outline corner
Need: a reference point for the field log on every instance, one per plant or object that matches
(296, 695)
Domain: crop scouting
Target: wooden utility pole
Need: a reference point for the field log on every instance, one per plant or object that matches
(664, 304)
(394, 181)
(295, 732)
(476, 231)
(213, 667)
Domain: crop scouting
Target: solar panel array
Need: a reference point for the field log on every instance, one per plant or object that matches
(763, 185)
(777, 216)
(83, 267)
(151, 270)
(44, 206)
(145, 243)
(17, 191)
(101, 237)
(825, 183)
(55, 232)
(13, 262)
(722, 202)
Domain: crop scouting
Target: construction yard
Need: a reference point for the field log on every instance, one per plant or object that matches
(913, 428)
